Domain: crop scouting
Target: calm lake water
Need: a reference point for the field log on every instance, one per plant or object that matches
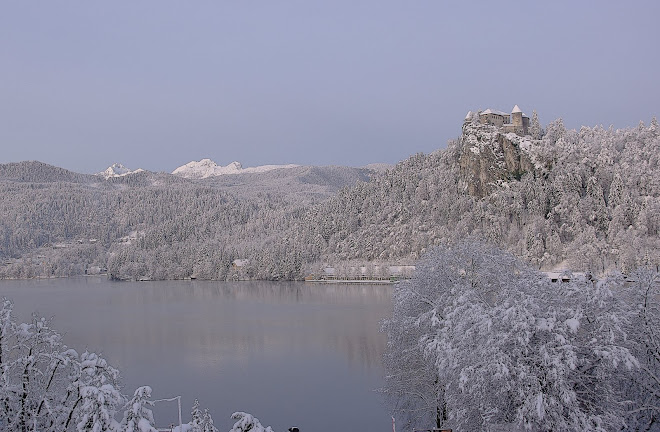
(292, 354)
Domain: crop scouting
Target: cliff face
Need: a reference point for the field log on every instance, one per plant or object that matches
(490, 157)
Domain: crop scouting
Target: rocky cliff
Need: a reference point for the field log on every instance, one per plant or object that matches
(489, 157)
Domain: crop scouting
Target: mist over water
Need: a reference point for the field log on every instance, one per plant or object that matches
(288, 353)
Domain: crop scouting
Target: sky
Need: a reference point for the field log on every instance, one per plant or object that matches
(156, 84)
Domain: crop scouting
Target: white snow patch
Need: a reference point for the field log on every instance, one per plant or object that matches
(241, 262)
(540, 411)
(117, 170)
(573, 324)
(544, 324)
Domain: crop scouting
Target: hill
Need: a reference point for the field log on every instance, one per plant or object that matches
(586, 200)
(39, 172)
(149, 225)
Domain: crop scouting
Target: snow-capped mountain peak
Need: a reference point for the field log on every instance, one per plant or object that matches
(208, 168)
(117, 170)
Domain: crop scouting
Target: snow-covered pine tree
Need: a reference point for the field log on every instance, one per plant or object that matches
(98, 395)
(535, 129)
(196, 417)
(207, 422)
(138, 416)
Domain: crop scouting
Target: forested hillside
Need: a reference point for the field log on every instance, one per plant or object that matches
(580, 200)
(155, 225)
(589, 201)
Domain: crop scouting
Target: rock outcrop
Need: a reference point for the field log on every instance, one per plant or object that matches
(489, 157)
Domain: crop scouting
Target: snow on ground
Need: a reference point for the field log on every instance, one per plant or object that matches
(207, 168)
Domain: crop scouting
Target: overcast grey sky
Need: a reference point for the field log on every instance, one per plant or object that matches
(156, 84)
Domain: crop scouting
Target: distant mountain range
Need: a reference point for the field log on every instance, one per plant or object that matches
(284, 180)
(207, 168)
(197, 169)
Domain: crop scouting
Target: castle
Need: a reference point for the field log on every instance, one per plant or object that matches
(517, 122)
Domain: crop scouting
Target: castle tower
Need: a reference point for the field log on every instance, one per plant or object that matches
(517, 117)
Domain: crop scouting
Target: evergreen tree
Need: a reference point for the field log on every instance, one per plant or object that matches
(535, 129)
(138, 416)
(197, 419)
(207, 422)
(98, 397)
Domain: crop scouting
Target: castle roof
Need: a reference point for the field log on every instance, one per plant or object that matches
(496, 112)
(516, 109)
(468, 115)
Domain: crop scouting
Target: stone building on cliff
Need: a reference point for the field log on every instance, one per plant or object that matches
(516, 122)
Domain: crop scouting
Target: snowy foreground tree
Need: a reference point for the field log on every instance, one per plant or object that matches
(247, 422)
(138, 416)
(643, 391)
(478, 340)
(47, 387)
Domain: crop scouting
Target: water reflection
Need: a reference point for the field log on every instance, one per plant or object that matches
(284, 351)
(231, 321)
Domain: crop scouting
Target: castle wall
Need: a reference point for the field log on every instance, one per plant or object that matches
(518, 130)
(509, 128)
(493, 119)
(516, 123)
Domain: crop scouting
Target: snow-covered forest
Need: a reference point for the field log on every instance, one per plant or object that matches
(479, 340)
(591, 203)
(584, 200)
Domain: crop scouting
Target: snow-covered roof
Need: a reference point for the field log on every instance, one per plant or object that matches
(468, 115)
(525, 115)
(516, 109)
(496, 112)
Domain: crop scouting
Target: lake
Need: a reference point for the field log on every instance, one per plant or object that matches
(291, 354)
